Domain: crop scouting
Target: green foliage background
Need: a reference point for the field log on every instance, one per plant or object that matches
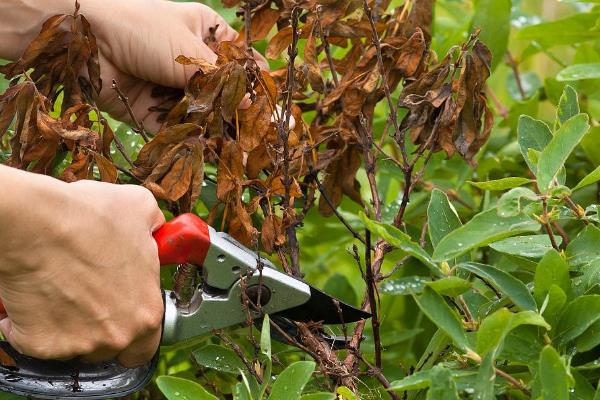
(532, 329)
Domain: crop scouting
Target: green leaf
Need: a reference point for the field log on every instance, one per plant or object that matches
(589, 179)
(554, 155)
(442, 386)
(568, 105)
(532, 246)
(579, 72)
(495, 327)
(501, 184)
(554, 303)
(265, 337)
(492, 331)
(182, 389)
(319, 396)
(493, 18)
(401, 240)
(345, 393)
(219, 358)
(486, 376)
(485, 228)
(590, 338)
(553, 375)
(404, 286)
(291, 381)
(418, 380)
(441, 216)
(551, 270)
(577, 317)
(532, 134)
(575, 29)
(438, 311)
(511, 203)
(450, 286)
(504, 282)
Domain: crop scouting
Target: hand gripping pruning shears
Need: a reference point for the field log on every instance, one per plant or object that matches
(232, 276)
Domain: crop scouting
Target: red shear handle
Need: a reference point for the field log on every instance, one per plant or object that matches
(184, 239)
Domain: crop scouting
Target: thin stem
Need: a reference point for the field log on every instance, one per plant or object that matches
(371, 289)
(515, 67)
(139, 125)
(544, 221)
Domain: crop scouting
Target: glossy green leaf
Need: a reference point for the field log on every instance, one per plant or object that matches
(579, 72)
(219, 358)
(439, 312)
(554, 155)
(418, 380)
(590, 338)
(505, 283)
(577, 317)
(345, 393)
(589, 179)
(485, 228)
(441, 216)
(318, 396)
(501, 184)
(532, 134)
(404, 286)
(553, 375)
(532, 246)
(450, 286)
(495, 327)
(290, 383)
(574, 29)
(513, 202)
(583, 250)
(493, 18)
(265, 337)
(175, 388)
(551, 270)
(568, 105)
(486, 376)
(442, 385)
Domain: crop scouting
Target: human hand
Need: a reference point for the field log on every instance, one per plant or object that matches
(80, 275)
(138, 42)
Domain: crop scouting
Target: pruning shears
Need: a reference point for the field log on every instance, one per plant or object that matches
(232, 277)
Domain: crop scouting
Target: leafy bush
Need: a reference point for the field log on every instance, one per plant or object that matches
(478, 258)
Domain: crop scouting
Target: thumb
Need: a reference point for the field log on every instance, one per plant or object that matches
(6, 328)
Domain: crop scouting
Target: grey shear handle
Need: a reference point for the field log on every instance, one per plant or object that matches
(42, 379)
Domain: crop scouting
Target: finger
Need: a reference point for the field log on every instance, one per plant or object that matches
(140, 351)
(6, 330)
(100, 355)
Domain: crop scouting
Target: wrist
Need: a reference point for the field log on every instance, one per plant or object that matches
(21, 21)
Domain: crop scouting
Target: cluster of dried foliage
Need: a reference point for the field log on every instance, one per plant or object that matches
(267, 171)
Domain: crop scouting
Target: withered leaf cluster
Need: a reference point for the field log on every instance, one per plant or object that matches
(258, 182)
(42, 136)
(447, 105)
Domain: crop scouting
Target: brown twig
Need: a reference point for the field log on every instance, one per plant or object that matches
(139, 125)
(386, 86)
(376, 372)
(371, 289)
(325, 39)
(547, 227)
(284, 135)
(332, 206)
(515, 67)
(513, 381)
